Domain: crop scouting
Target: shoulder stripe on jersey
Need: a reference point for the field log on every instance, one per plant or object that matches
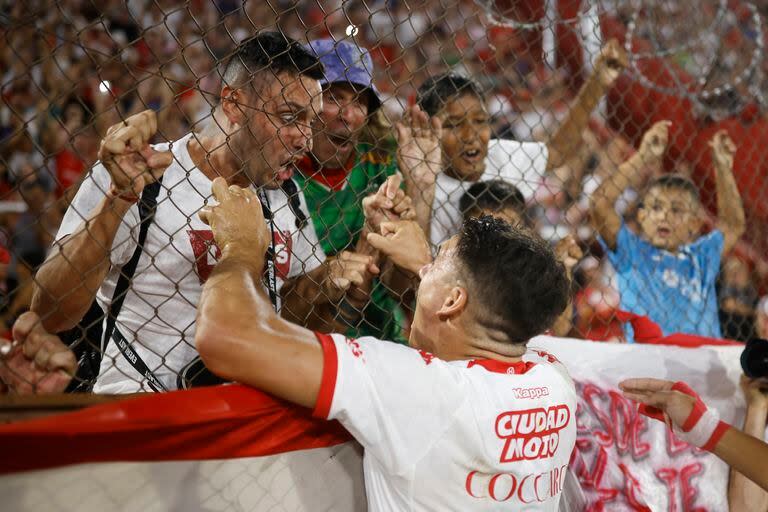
(328, 381)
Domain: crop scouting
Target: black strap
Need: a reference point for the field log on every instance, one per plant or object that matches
(270, 275)
(137, 362)
(147, 208)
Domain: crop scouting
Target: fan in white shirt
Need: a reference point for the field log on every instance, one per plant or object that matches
(466, 418)
(259, 130)
(470, 155)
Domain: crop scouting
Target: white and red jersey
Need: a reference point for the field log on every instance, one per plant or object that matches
(460, 435)
(158, 315)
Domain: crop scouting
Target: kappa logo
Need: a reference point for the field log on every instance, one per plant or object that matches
(532, 433)
(522, 393)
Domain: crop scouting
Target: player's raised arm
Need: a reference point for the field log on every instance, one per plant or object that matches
(695, 424)
(730, 210)
(239, 336)
(566, 140)
(605, 220)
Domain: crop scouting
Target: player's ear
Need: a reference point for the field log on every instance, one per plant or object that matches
(230, 105)
(454, 304)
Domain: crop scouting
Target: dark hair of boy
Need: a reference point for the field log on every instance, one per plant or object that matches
(436, 91)
(491, 195)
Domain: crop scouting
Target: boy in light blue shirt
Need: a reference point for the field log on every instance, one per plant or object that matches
(668, 272)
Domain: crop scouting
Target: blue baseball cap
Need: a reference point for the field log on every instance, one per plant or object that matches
(346, 62)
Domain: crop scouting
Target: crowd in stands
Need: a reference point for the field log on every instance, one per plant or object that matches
(530, 156)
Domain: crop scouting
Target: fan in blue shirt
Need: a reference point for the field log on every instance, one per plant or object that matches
(668, 272)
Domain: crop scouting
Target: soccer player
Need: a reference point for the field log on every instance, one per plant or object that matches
(470, 155)
(261, 127)
(668, 271)
(466, 418)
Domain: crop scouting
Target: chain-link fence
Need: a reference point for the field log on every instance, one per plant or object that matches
(543, 107)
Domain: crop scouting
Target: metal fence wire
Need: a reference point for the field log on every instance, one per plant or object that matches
(632, 135)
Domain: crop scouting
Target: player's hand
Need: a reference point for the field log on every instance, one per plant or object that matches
(611, 63)
(723, 150)
(35, 362)
(345, 270)
(568, 251)
(237, 221)
(404, 243)
(388, 203)
(676, 405)
(419, 154)
(130, 161)
(654, 142)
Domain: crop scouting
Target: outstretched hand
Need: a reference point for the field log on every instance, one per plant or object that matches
(419, 155)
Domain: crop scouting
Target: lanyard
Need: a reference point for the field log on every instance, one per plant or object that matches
(270, 274)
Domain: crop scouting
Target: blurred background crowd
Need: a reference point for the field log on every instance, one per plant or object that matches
(70, 69)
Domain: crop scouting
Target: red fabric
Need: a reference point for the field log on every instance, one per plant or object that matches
(568, 52)
(328, 380)
(647, 331)
(698, 407)
(333, 178)
(69, 169)
(208, 423)
(494, 366)
(720, 430)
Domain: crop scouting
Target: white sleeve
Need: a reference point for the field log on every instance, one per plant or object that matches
(91, 192)
(523, 164)
(396, 401)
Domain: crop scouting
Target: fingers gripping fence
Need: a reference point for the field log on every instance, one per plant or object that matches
(116, 118)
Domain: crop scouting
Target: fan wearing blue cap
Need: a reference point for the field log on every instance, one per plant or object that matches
(341, 170)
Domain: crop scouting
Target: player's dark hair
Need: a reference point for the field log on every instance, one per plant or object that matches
(271, 51)
(676, 182)
(493, 195)
(520, 285)
(438, 90)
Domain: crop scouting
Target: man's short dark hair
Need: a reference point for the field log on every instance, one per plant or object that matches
(272, 51)
(519, 283)
(675, 182)
(493, 195)
(436, 91)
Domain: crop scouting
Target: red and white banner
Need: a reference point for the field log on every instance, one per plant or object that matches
(233, 448)
(627, 462)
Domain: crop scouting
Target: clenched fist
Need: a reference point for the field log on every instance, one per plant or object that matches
(130, 161)
(610, 63)
(387, 204)
(36, 361)
(654, 142)
(723, 150)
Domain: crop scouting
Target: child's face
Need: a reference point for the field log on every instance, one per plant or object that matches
(669, 217)
(466, 132)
